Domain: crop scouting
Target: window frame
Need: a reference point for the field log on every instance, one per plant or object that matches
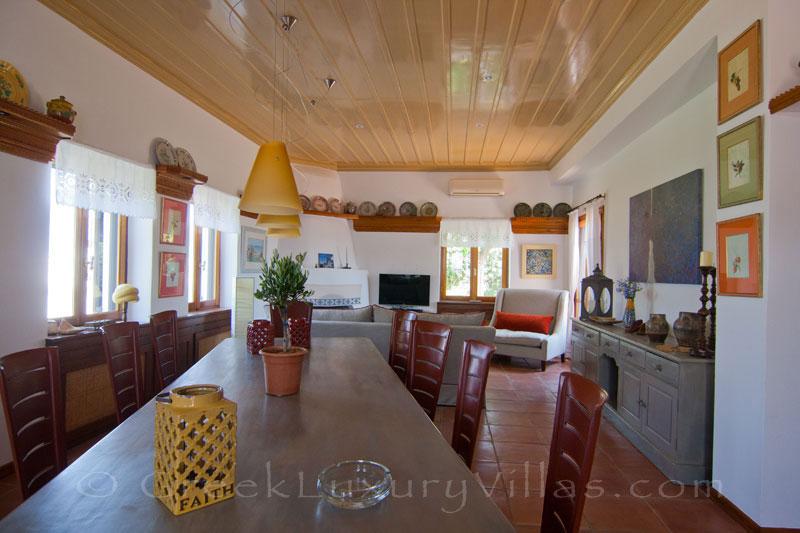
(473, 277)
(577, 300)
(197, 304)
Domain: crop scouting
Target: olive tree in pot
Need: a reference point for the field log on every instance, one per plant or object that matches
(282, 282)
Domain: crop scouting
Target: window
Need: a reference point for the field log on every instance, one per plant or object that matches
(584, 268)
(203, 269)
(86, 262)
(473, 273)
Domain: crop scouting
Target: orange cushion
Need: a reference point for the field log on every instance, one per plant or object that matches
(515, 322)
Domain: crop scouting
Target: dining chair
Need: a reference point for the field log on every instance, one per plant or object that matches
(121, 345)
(475, 361)
(164, 332)
(297, 309)
(400, 342)
(30, 383)
(429, 344)
(579, 410)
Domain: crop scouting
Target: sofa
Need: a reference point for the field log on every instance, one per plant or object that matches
(538, 346)
(375, 323)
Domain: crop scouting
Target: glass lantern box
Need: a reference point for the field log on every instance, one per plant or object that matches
(597, 295)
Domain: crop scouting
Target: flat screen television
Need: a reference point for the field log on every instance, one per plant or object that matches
(404, 289)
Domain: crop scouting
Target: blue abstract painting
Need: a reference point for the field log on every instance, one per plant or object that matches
(666, 231)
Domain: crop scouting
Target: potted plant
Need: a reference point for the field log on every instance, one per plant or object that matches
(282, 282)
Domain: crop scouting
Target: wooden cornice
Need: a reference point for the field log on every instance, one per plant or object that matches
(177, 182)
(27, 133)
(784, 100)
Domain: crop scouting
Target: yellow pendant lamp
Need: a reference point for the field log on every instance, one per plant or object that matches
(279, 221)
(281, 233)
(270, 189)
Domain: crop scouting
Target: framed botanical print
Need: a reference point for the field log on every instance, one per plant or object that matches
(740, 164)
(253, 249)
(173, 222)
(538, 261)
(739, 256)
(172, 274)
(739, 73)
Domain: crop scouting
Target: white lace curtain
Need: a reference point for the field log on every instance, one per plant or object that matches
(90, 179)
(215, 210)
(478, 232)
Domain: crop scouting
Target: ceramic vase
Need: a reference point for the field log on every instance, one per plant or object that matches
(629, 316)
(657, 328)
(687, 329)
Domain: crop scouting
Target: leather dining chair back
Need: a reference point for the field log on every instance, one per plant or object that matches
(30, 383)
(297, 309)
(579, 410)
(475, 363)
(429, 344)
(164, 332)
(121, 345)
(400, 342)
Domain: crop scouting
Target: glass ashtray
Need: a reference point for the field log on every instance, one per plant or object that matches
(354, 484)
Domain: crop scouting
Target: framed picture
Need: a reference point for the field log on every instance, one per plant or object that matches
(740, 164)
(253, 249)
(325, 260)
(172, 274)
(538, 261)
(739, 73)
(173, 222)
(739, 261)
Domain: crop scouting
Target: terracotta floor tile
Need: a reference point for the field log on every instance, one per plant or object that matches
(501, 500)
(519, 528)
(488, 474)
(537, 396)
(499, 385)
(609, 482)
(701, 516)
(627, 458)
(543, 420)
(504, 418)
(501, 395)
(541, 407)
(516, 434)
(622, 514)
(518, 452)
(484, 451)
(500, 405)
(522, 478)
(484, 433)
(526, 510)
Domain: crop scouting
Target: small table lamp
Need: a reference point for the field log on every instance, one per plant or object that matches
(123, 294)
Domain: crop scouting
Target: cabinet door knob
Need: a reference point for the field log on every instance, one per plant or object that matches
(641, 402)
(629, 354)
(658, 367)
(589, 335)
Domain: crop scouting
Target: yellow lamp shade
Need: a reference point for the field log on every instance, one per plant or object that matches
(282, 233)
(270, 189)
(279, 221)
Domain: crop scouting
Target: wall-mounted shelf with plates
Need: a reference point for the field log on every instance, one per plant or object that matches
(328, 214)
(546, 225)
(785, 100)
(27, 133)
(398, 224)
(177, 182)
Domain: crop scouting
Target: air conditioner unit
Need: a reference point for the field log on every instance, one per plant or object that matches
(469, 187)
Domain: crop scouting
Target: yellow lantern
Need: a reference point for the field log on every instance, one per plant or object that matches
(278, 233)
(195, 441)
(279, 221)
(270, 189)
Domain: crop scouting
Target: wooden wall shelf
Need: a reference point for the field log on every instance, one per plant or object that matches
(27, 133)
(398, 224)
(177, 182)
(784, 100)
(547, 225)
(334, 215)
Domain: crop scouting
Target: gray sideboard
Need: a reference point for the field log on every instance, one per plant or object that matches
(662, 402)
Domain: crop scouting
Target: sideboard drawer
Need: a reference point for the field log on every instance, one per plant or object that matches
(666, 371)
(587, 335)
(631, 354)
(609, 344)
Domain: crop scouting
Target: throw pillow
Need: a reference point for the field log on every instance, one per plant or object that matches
(382, 314)
(515, 322)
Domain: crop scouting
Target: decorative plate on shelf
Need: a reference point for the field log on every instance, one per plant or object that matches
(367, 209)
(305, 202)
(336, 205)
(350, 208)
(387, 209)
(185, 159)
(522, 210)
(165, 153)
(561, 210)
(542, 210)
(408, 209)
(318, 203)
(428, 209)
(12, 85)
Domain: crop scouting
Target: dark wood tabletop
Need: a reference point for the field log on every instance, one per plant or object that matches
(350, 406)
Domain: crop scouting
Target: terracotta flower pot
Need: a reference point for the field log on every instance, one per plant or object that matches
(282, 370)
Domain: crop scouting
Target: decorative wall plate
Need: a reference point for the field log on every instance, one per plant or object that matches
(12, 84)
(542, 210)
(185, 159)
(336, 205)
(522, 210)
(408, 209)
(350, 208)
(561, 210)
(305, 202)
(165, 153)
(387, 209)
(428, 209)
(318, 203)
(367, 209)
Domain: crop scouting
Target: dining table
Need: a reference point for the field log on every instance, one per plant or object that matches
(351, 406)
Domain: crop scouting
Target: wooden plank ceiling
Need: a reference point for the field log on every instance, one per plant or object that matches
(420, 84)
